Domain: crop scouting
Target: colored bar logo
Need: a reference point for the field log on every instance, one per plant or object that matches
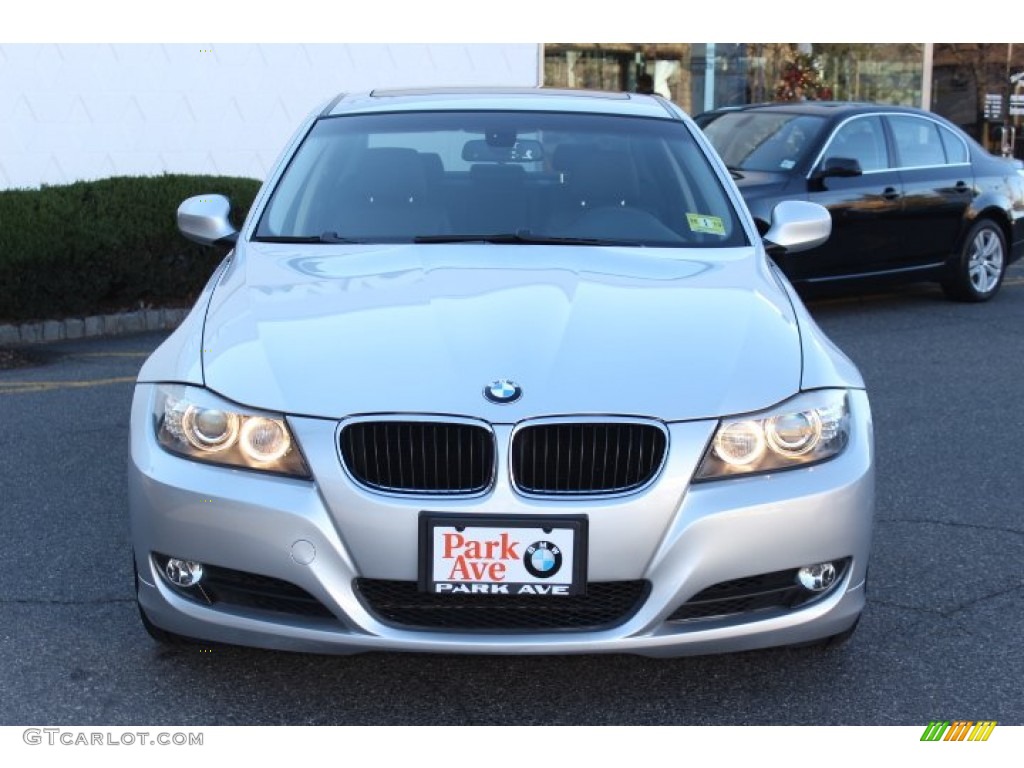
(959, 730)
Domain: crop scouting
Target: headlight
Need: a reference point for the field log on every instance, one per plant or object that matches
(809, 428)
(193, 422)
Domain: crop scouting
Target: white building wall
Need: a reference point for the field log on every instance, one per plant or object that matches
(87, 111)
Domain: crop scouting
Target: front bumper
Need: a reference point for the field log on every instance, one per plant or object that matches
(323, 535)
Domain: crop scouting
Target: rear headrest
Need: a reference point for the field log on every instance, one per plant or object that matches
(607, 178)
(569, 157)
(432, 166)
(390, 174)
(510, 173)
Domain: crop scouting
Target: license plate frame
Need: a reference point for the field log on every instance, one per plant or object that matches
(556, 570)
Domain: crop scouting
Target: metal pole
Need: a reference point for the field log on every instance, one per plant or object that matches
(926, 76)
(709, 76)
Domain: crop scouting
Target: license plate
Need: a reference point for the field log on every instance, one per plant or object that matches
(469, 554)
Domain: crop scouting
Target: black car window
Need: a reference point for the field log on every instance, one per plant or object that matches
(956, 149)
(763, 141)
(861, 139)
(917, 141)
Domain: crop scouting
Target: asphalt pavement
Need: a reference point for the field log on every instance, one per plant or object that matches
(940, 639)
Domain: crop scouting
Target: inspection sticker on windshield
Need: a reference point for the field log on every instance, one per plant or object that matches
(502, 556)
(712, 225)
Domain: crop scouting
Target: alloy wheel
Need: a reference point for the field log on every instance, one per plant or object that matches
(985, 261)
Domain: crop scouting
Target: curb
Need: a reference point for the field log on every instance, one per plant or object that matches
(95, 325)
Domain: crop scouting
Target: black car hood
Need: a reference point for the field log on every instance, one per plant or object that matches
(758, 181)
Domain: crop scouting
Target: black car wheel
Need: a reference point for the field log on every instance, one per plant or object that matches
(832, 641)
(840, 639)
(978, 271)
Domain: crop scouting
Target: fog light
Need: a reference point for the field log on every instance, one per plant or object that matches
(183, 573)
(817, 577)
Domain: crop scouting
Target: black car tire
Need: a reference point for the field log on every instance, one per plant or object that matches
(832, 641)
(162, 636)
(978, 270)
(840, 638)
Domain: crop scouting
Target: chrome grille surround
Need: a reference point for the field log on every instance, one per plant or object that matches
(409, 454)
(585, 456)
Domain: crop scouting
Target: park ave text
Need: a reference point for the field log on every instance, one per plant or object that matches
(485, 565)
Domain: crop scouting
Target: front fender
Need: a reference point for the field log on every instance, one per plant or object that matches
(180, 357)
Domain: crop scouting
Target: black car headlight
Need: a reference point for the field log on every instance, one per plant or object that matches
(195, 423)
(807, 429)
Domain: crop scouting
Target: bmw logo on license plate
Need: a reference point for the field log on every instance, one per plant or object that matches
(542, 559)
(503, 391)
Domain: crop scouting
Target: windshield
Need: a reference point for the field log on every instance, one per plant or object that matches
(763, 141)
(507, 177)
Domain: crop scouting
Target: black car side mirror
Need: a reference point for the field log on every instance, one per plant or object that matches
(839, 166)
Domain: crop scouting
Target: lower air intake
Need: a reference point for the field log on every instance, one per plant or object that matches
(401, 604)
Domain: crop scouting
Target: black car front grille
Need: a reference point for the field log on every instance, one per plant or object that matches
(432, 457)
(778, 590)
(583, 458)
(252, 590)
(228, 587)
(401, 604)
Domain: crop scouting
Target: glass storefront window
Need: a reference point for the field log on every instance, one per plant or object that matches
(591, 67)
(703, 76)
(618, 66)
(980, 87)
(886, 74)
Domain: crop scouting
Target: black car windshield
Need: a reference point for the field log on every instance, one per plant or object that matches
(763, 141)
(510, 178)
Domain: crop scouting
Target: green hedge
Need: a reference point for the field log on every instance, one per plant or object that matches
(103, 246)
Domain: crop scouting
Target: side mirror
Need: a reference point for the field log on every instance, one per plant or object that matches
(204, 219)
(798, 226)
(839, 166)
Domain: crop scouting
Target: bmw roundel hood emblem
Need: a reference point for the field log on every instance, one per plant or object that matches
(503, 391)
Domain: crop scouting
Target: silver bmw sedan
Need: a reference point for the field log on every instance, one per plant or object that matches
(500, 371)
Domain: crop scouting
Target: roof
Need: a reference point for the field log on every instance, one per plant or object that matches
(822, 108)
(500, 98)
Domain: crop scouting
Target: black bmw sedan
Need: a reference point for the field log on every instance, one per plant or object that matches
(912, 197)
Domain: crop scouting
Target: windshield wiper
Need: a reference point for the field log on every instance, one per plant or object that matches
(522, 237)
(326, 237)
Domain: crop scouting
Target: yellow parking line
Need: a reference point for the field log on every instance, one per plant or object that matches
(15, 387)
(110, 354)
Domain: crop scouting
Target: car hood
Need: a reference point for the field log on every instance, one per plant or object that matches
(337, 330)
(759, 182)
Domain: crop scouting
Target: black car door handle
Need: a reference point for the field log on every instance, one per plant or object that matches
(961, 186)
(890, 193)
